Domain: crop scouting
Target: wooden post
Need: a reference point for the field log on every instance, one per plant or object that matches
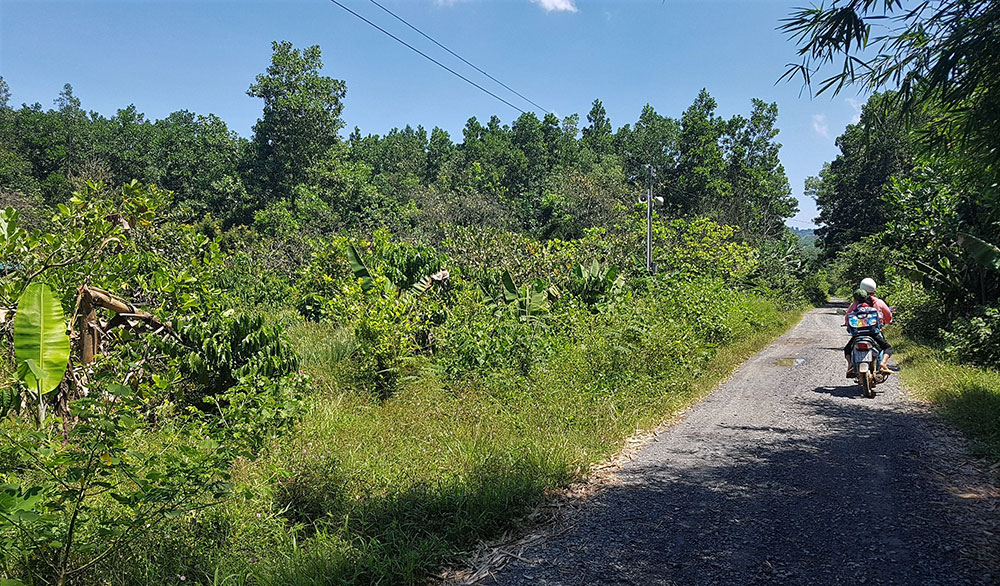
(90, 330)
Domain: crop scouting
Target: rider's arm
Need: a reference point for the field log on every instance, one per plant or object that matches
(884, 311)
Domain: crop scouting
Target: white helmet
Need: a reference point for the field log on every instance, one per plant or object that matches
(868, 285)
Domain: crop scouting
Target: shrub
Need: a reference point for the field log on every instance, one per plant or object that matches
(975, 339)
(919, 312)
(240, 368)
(480, 340)
(869, 257)
(94, 487)
(816, 288)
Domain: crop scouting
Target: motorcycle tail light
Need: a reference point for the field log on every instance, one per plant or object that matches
(863, 346)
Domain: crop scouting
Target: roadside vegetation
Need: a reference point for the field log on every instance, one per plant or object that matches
(967, 396)
(305, 359)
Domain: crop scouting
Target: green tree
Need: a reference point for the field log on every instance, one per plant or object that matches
(848, 191)
(300, 121)
(440, 150)
(598, 133)
(652, 141)
(199, 158)
(4, 93)
(126, 146)
(761, 196)
(700, 184)
(76, 138)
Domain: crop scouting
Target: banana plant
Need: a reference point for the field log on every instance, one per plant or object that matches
(529, 301)
(41, 346)
(984, 253)
(359, 269)
(595, 283)
(420, 287)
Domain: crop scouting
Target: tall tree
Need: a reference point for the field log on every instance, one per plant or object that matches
(761, 196)
(75, 131)
(199, 158)
(700, 179)
(440, 150)
(4, 93)
(300, 120)
(653, 142)
(848, 191)
(598, 133)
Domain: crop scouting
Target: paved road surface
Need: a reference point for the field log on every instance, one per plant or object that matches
(786, 475)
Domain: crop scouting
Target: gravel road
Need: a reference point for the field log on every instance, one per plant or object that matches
(785, 475)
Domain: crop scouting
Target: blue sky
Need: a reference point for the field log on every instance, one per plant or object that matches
(168, 55)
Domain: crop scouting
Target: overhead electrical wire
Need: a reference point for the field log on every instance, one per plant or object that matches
(428, 57)
(463, 59)
(459, 75)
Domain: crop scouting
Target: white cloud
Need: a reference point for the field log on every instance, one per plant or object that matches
(557, 5)
(857, 110)
(820, 125)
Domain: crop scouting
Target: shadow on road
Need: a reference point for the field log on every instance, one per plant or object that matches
(851, 390)
(850, 501)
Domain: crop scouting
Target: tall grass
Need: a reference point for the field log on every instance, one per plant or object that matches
(372, 490)
(967, 396)
(366, 491)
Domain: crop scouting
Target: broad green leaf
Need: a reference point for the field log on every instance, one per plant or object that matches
(359, 268)
(40, 336)
(8, 222)
(35, 369)
(509, 289)
(981, 251)
(120, 391)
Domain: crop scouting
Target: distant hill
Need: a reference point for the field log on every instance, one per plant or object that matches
(807, 240)
(805, 235)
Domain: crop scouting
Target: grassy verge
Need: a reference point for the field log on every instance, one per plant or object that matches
(390, 491)
(370, 490)
(967, 396)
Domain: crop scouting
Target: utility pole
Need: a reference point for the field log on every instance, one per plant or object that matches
(649, 222)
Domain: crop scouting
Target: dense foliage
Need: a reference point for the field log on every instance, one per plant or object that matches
(303, 357)
(913, 199)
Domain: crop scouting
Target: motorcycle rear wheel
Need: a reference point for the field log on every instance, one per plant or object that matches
(868, 384)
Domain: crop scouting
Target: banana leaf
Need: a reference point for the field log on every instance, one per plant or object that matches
(359, 268)
(40, 339)
(510, 292)
(981, 251)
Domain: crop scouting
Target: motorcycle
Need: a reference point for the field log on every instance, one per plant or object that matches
(865, 352)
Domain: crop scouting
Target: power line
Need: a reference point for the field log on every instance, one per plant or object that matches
(463, 59)
(428, 57)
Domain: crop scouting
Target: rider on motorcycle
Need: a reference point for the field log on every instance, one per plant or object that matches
(865, 296)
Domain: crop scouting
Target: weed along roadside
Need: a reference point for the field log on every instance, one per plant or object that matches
(593, 476)
(967, 396)
(393, 491)
(379, 411)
